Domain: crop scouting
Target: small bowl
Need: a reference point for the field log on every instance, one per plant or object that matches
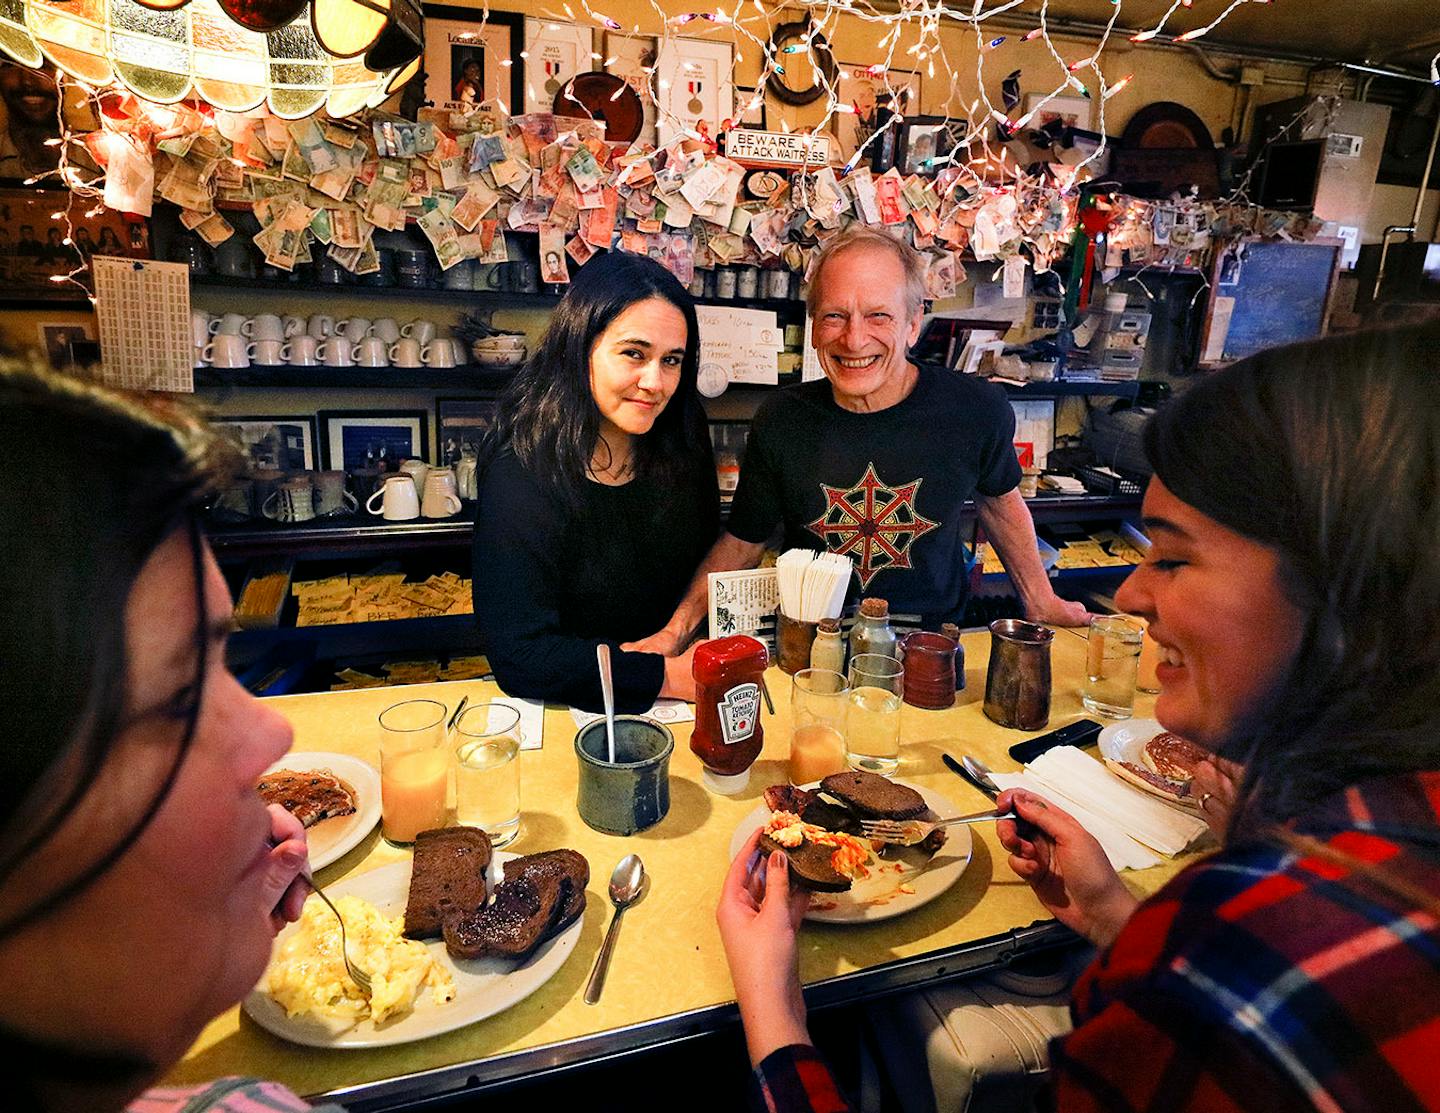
(500, 358)
(500, 343)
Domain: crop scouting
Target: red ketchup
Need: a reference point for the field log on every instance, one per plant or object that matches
(728, 735)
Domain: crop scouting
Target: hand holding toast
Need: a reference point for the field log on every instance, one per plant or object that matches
(759, 917)
(1065, 866)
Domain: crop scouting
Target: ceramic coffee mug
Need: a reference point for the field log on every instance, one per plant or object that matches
(293, 502)
(417, 470)
(264, 326)
(385, 328)
(460, 276)
(321, 325)
(292, 326)
(406, 352)
(231, 324)
(353, 329)
(335, 352)
(400, 503)
(439, 502)
(370, 352)
(303, 351)
(632, 792)
(265, 352)
(421, 330)
(199, 327)
(331, 498)
(439, 353)
(227, 349)
(235, 503)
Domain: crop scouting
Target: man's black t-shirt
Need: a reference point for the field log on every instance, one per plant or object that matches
(885, 488)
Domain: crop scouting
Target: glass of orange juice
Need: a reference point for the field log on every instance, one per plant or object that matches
(818, 701)
(414, 769)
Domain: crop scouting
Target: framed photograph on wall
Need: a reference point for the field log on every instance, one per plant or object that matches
(57, 340)
(33, 248)
(696, 87)
(749, 117)
(629, 57)
(284, 443)
(460, 426)
(876, 97)
(469, 60)
(1072, 112)
(554, 53)
(923, 140)
(362, 438)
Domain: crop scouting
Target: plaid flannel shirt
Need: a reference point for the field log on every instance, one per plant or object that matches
(1258, 979)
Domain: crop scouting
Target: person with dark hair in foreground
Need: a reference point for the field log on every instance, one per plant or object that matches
(1294, 588)
(597, 495)
(142, 879)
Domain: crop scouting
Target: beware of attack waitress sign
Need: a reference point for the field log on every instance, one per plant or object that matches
(774, 148)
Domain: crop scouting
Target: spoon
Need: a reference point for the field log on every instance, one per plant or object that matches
(980, 772)
(625, 885)
(607, 694)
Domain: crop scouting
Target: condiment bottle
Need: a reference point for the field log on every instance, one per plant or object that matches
(872, 633)
(828, 649)
(950, 630)
(728, 735)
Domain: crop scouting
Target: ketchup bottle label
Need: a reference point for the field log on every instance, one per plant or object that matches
(739, 712)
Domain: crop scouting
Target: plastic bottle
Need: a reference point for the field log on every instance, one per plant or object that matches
(728, 734)
(872, 633)
(828, 649)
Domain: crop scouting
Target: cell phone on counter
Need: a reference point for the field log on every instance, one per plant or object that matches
(1082, 733)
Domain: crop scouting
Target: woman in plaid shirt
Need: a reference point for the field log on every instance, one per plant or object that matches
(1294, 588)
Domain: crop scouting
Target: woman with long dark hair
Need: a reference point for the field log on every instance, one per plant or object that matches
(597, 496)
(141, 877)
(1294, 589)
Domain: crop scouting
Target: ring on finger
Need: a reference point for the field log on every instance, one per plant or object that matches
(1205, 799)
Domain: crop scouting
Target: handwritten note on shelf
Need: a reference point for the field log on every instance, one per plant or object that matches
(745, 342)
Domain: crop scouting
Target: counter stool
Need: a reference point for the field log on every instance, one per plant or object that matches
(981, 1044)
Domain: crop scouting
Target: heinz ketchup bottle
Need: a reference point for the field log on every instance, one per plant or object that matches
(728, 735)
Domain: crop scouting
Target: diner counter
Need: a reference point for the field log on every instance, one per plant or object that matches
(668, 977)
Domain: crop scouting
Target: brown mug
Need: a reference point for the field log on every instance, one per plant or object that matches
(793, 640)
(1017, 683)
(929, 670)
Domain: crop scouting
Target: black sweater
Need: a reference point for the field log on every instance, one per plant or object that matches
(551, 583)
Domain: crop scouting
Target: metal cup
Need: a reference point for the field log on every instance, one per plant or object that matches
(1017, 683)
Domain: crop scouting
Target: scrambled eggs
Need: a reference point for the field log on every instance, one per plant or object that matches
(850, 856)
(308, 974)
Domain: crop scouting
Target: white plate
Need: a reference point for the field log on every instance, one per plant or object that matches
(483, 986)
(878, 897)
(1126, 742)
(333, 838)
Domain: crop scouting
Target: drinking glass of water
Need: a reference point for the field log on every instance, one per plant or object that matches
(1111, 665)
(872, 722)
(487, 772)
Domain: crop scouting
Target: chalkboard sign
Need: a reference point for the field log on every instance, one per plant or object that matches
(1269, 293)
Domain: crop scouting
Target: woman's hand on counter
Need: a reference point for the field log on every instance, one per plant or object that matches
(759, 918)
(1065, 866)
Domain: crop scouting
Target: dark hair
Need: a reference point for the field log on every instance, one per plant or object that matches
(149, 464)
(1328, 453)
(548, 416)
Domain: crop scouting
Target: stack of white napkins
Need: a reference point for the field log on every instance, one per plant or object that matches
(1128, 823)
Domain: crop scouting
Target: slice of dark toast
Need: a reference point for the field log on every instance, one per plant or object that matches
(810, 865)
(873, 796)
(514, 923)
(573, 870)
(447, 878)
(812, 808)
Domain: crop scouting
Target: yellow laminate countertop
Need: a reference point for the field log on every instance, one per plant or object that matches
(669, 959)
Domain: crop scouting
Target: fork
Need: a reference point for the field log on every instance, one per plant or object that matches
(358, 976)
(908, 832)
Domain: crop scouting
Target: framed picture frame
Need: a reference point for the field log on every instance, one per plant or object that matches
(875, 98)
(554, 53)
(924, 143)
(360, 438)
(58, 337)
(272, 442)
(461, 424)
(749, 117)
(696, 87)
(470, 60)
(1072, 112)
(33, 248)
(632, 59)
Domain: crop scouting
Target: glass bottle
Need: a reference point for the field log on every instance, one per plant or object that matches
(828, 649)
(872, 633)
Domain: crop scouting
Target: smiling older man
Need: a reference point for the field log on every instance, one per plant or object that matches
(878, 460)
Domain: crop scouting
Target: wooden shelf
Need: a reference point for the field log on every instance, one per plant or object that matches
(468, 377)
(1062, 388)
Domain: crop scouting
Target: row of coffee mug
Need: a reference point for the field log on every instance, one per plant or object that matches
(416, 490)
(233, 340)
